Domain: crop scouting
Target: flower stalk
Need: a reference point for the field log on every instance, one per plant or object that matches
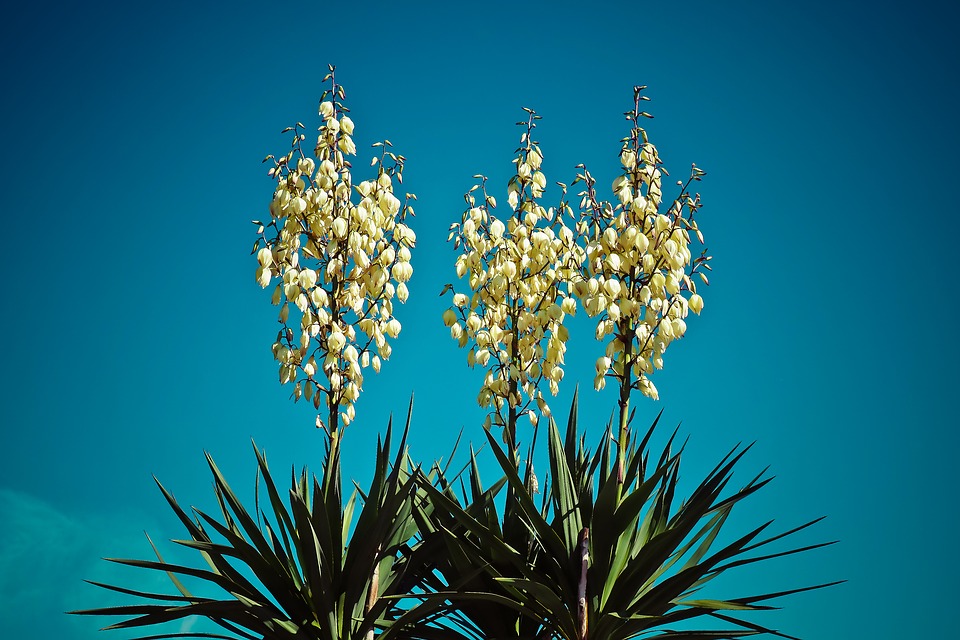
(341, 252)
(638, 266)
(518, 272)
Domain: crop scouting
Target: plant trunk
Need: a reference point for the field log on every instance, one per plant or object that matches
(582, 614)
(372, 595)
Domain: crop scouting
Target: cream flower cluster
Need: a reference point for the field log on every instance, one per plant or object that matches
(341, 253)
(517, 270)
(638, 263)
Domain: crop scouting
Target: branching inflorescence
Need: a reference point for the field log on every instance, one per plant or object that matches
(341, 251)
(629, 264)
(638, 266)
(519, 270)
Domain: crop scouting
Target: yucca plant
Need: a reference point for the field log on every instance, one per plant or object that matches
(600, 559)
(312, 573)
(608, 554)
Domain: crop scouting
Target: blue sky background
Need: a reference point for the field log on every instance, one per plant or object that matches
(135, 337)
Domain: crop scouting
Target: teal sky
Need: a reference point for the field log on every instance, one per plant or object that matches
(135, 337)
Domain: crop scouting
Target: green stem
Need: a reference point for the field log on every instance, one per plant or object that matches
(331, 471)
(512, 422)
(624, 404)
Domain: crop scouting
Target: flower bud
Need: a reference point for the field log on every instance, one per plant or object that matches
(613, 312)
(393, 328)
(610, 237)
(513, 197)
(496, 230)
(483, 357)
(612, 287)
(449, 317)
(661, 223)
(347, 146)
(679, 327)
(534, 158)
(696, 304)
(657, 281)
(672, 285)
(666, 327)
(554, 312)
(302, 302)
(405, 234)
(388, 203)
(351, 392)
(306, 165)
(641, 243)
(647, 262)
(263, 276)
(473, 322)
(602, 365)
(647, 388)
(350, 353)
(401, 271)
(308, 279)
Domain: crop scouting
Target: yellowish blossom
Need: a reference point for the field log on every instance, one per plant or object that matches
(341, 250)
(639, 262)
(517, 269)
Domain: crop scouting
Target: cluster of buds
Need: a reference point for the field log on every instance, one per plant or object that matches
(341, 253)
(519, 271)
(638, 262)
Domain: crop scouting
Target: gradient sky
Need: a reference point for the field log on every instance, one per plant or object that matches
(135, 337)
